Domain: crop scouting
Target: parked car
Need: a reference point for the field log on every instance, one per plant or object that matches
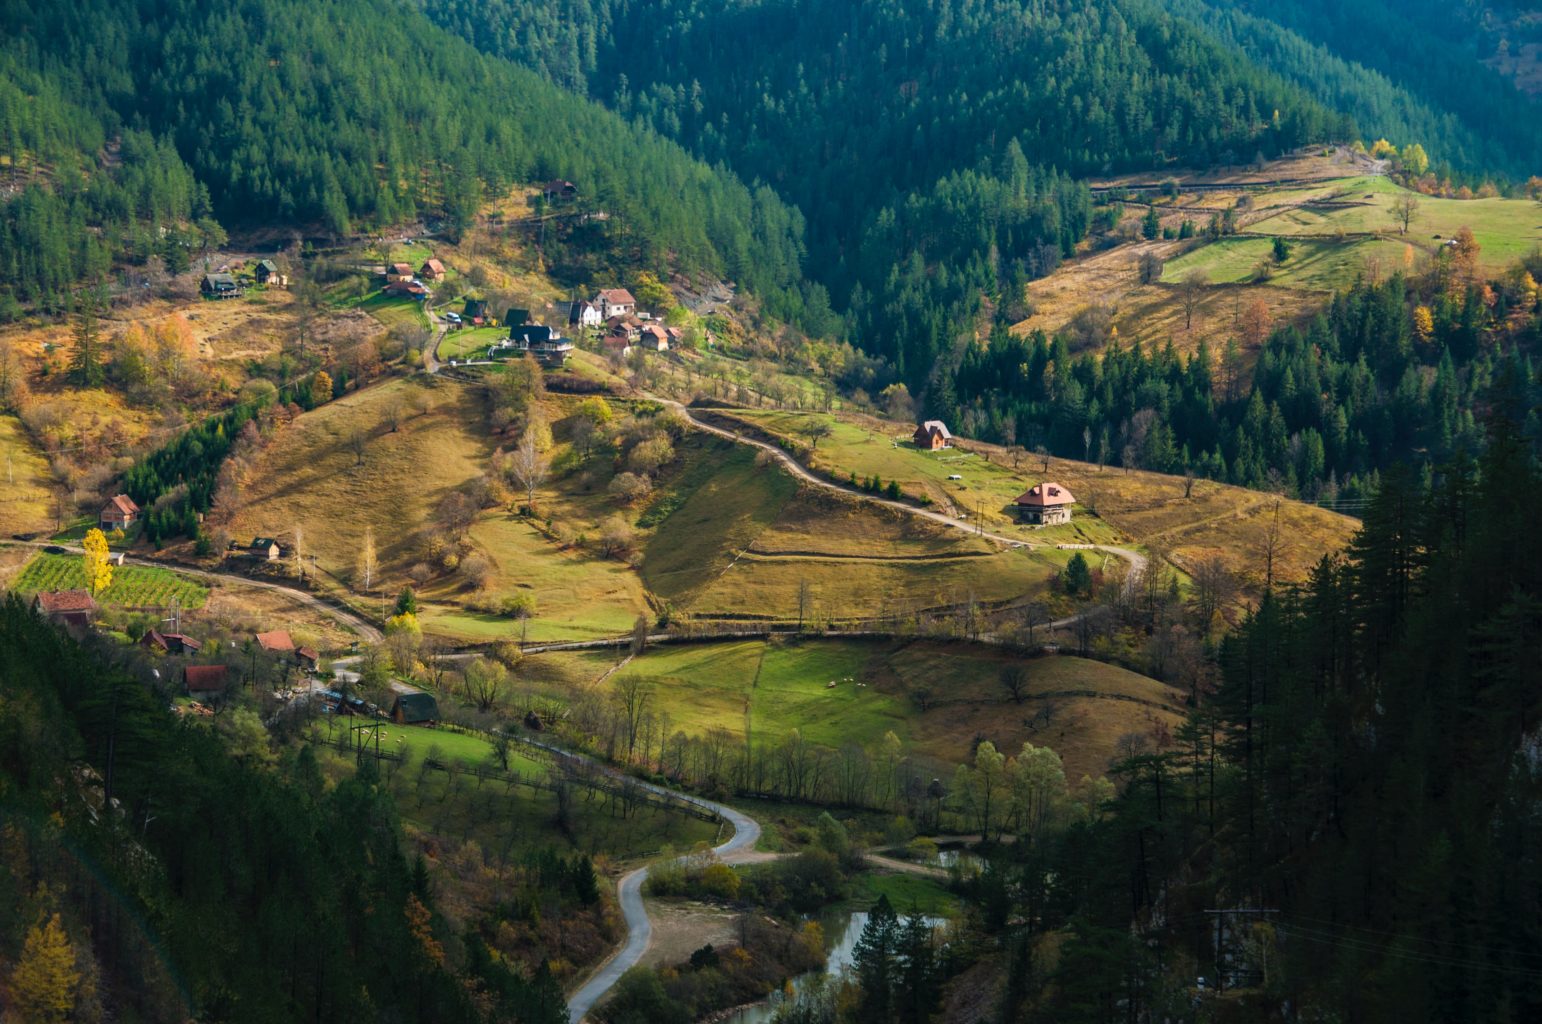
(454, 318)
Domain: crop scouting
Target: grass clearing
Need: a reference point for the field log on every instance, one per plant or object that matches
(773, 687)
(470, 342)
(26, 501)
(1314, 264)
(133, 586)
(909, 894)
(393, 310)
(1137, 507)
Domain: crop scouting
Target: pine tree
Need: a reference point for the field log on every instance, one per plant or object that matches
(86, 369)
(875, 960)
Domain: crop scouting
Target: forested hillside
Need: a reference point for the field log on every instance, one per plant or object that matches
(928, 146)
(146, 121)
(1430, 52)
(1366, 775)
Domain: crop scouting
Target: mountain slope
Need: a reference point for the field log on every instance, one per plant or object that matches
(337, 114)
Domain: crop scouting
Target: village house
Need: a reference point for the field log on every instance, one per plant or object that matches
(933, 436)
(308, 657)
(617, 348)
(219, 286)
(204, 680)
(398, 272)
(119, 513)
(476, 312)
(415, 709)
(66, 607)
(1045, 504)
(558, 190)
(676, 335)
(262, 549)
(411, 288)
(654, 338)
(585, 313)
(265, 272)
(628, 327)
(516, 316)
(431, 270)
(615, 302)
(540, 341)
(169, 643)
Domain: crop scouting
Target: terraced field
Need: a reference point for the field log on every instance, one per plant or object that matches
(133, 586)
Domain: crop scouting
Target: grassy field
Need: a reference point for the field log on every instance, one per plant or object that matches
(392, 310)
(1140, 508)
(1314, 264)
(909, 894)
(470, 342)
(1506, 229)
(314, 479)
(26, 506)
(774, 687)
(133, 586)
(578, 595)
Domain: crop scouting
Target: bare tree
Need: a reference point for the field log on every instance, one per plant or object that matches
(1043, 454)
(1014, 679)
(805, 596)
(1214, 588)
(1190, 290)
(299, 551)
(367, 559)
(529, 466)
(357, 439)
(1188, 481)
(1404, 209)
(632, 696)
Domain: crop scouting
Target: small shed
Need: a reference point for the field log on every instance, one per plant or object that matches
(265, 272)
(431, 270)
(170, 643)
(66, 607)
(415, 709)
(476, 312)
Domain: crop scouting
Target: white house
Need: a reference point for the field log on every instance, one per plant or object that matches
(615, 302)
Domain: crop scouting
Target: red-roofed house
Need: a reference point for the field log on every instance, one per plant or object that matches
(278, 641)
(932, 435)
(308, 656)
(66, 607)
(204, 679)
(119, 513)
(1046, 504)
(654, 338)
(615, 302)
(399, 272)
(431, 270)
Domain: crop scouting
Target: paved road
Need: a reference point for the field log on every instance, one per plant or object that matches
(367, 630)
(639, 929)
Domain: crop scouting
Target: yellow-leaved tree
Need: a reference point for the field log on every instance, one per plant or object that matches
(97, 561)
(45, 980)
(321, 388)
(1423, 323)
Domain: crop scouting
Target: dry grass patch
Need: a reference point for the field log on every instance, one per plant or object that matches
(26, 502)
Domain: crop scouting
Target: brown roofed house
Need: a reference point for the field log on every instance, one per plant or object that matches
(932, 435)
(170, 643)
(654, 337)
(615, 302)
(278, 641)
(558, 189)
(119, 513)
(399, 272)
(308, 656)
(204, 679)
(431, 270)
(66, 607)
(1045, 504)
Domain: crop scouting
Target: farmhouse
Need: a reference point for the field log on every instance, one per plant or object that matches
(627, 327)
(399, 272)
(615, 302)
(411, 288)
(431, 270)
(66, 607)
(1045, 504)
(263, 549)
(219, 286)
(265, 272)
(415, 709)
(653, 337)
(119, 513)
(933, 436)
(616, 347)
(476, 312)
(540, 341)
(170, 643)
(558, 190)
(204, 679)
(585, 314)
(308, 657)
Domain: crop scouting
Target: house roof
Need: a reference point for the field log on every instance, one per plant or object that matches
(308, 653)
(263, 542)
(401, 268)
(416, 707)
(935, 427)
(433, 266)
(655, 331)
(204, 678)
(476, 307)
(65, 601)
(267, 265)
(558, 185)
(617, 297)
(121, 503)
(219, 280)
(1046, 495)
(516, 316)
(187, 642)
(275, 640)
